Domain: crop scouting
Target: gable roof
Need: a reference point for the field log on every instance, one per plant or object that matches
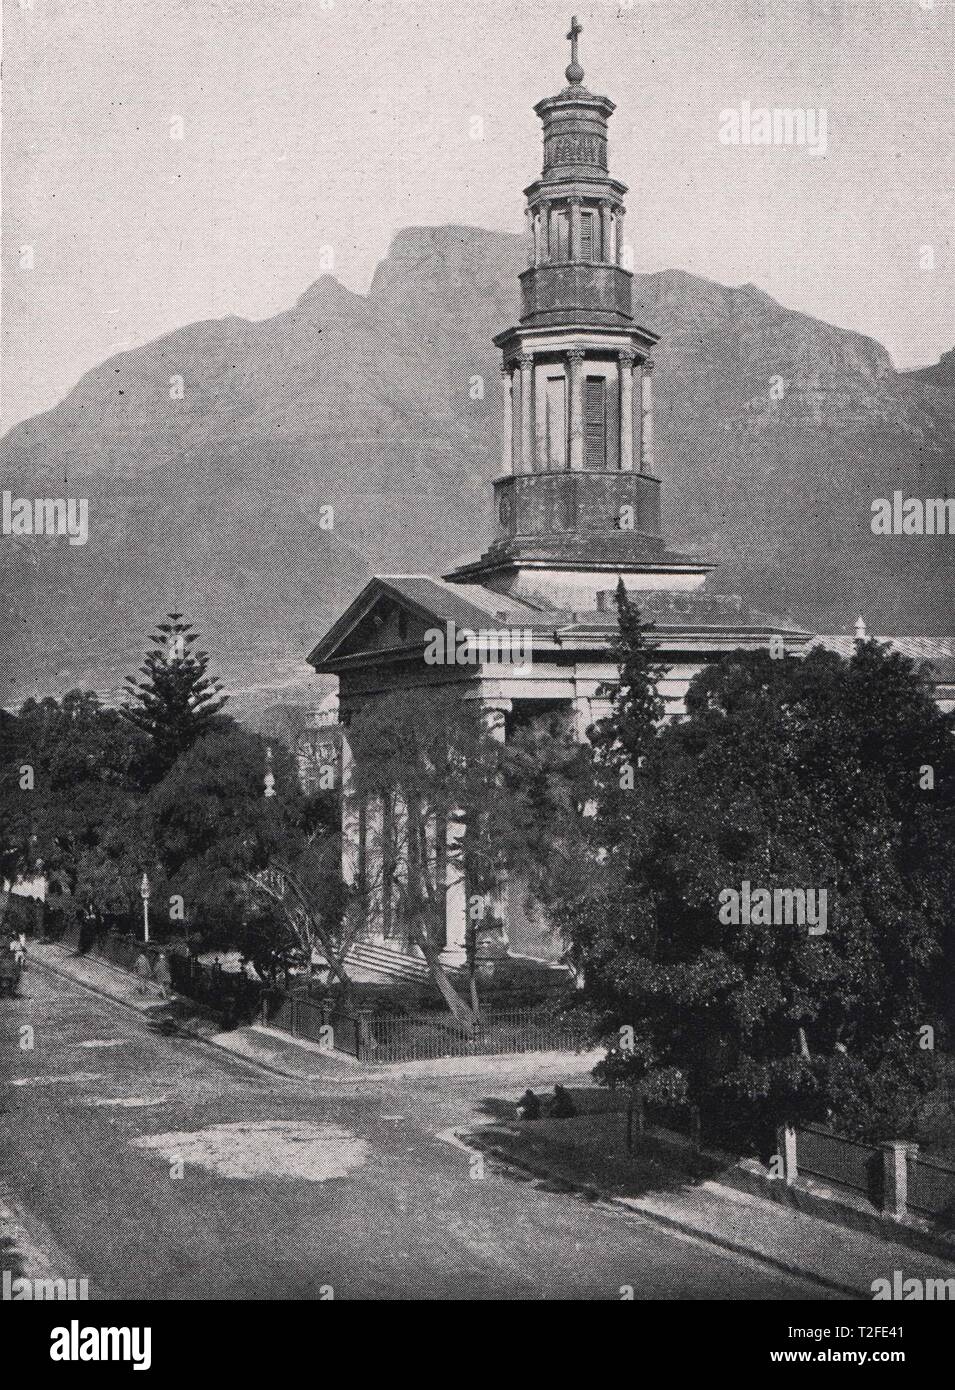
(434, 600)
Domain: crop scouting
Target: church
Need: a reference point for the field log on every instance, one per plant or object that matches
(576, 509)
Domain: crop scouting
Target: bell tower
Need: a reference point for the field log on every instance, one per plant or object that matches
(578, 502)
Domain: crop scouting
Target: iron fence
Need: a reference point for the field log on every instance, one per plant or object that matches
(323, 1022)
(425, 1037)
(411, 1037)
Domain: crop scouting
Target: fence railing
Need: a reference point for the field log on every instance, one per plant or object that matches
(836, 1158)
(374, 1037)
(894, 1176)
(230, 993)
(319, 1021)
(500, 1032)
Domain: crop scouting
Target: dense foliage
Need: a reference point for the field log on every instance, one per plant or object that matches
(92, 798)
(820, 774)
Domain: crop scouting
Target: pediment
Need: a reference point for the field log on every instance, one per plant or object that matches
(379, 620)
(394, 612)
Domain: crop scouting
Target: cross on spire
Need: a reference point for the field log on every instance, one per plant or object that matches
(575, 28)
(575, 73)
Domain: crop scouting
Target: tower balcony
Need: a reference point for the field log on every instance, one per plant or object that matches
(600, 515)
(576, 291)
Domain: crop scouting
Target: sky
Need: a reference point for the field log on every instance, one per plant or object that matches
(166, 161)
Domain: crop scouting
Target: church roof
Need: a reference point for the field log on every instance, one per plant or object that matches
(939, 651)
(467, 604)
(363, 632)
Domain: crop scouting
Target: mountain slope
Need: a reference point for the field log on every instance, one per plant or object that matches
(211, 503)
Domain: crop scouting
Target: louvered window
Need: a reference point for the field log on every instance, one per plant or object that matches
(595, 421)
(586, 236)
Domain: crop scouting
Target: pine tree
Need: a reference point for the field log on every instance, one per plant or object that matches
(175, 702)
(624, 740)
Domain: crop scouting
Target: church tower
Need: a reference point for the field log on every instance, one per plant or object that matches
(578, 502)
(577, 507)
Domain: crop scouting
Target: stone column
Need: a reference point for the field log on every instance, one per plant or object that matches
(351, 819)
(575, 361)
(547, 224)
(455, 900)
(540, 464)
(619, 222)
(494, 712)
(646, 417)
(508, 445)
(526, 363)
(582, 714)
(605, 231)
(574, 228)
(626, 411)
(515, 418)
(786, 1153)
(896, 1156)
(530, 236)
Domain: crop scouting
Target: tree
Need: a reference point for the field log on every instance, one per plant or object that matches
(450, 807)
(785, 775)
(176, 701)
(69, 804)
(254, 871)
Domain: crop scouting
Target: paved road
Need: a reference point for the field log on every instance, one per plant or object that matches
(97, 1118)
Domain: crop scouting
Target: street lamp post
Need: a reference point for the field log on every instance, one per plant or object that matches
(144, 893)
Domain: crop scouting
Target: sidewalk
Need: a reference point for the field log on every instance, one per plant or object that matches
(96, 974)
(844, 1261)
(301, 1060)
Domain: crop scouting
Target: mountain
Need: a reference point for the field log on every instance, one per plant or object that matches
(774, 433)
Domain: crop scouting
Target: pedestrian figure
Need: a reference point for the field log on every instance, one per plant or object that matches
(528, 1107)
(562, 1107)
(143, 973)
(163, 975)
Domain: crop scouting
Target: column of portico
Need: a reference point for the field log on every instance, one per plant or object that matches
(351, 817)
(455, 895)
(494, 711)
(508, 447)
(525, 363)
(626, 360)
(646, 417)
(575, 363)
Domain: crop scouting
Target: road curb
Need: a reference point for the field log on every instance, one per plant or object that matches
(143, 1016)
(37, 962)
(472, 1141)
(272, 1068)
